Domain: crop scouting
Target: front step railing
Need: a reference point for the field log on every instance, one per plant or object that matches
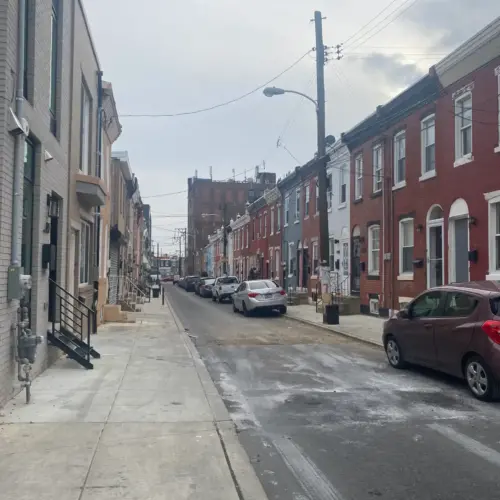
(73, 323)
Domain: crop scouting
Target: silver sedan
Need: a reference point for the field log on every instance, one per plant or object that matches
(259, 295)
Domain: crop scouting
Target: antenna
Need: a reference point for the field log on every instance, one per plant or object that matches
(264, 165)
(210, 169)
(196, 174)
(234, 174)
(256, 172)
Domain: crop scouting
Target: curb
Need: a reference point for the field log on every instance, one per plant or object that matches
(333, 332)
(246, 482)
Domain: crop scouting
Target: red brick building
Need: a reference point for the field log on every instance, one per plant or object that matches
(259, 232)
(240, 229)
(273, 199)
(425, 180)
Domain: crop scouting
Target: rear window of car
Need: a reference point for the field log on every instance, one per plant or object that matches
(208, 282)
(257, 285)
(230, 280)
(495, 305)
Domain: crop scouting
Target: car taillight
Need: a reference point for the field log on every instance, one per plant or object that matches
(282, 292)
(252, 295)
(492, 329)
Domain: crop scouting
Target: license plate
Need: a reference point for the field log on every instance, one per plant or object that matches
(268, 296)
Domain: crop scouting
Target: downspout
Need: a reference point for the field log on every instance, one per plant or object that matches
(17, 198)
(70, 266)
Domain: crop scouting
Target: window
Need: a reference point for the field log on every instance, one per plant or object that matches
(331, 252)
(374, 250)
(27, 37)
(343, 185)
(278, 218)
(259, 234)
(287, 210)
(306, 206)
(399, 158)
(345, 259)
(54, 52)
(277, 262)
(428, 305)
(377, 168)
(329, 194)
(317, 195)
(358, 187)
(463, 126)
(495, 237)
(265, 224)
(428, 137)
(497, 74)
(297, 204)
(315, 259)
(459, 305)
(271, 230)
(84, 253)
(406, 246)
(247, 235)
(85, 131)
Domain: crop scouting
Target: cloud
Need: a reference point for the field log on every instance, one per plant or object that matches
(450, 22)
(392, 68)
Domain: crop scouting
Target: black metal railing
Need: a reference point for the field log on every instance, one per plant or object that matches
(339, 284)
(76, 320)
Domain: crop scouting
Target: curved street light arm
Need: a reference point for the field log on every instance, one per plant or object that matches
(303, 95)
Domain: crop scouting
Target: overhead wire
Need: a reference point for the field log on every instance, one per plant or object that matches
(220, 105)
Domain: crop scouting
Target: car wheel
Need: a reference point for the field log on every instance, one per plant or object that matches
(283, 310)
(246, 312)
(235, 309)
(213, 298)
(394, 354)
(479, 379)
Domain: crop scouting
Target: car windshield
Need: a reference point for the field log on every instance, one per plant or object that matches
(495, 305)
(230, 280)
(209, 282)
(257, 285)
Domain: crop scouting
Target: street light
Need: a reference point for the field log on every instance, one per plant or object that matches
(272, 91)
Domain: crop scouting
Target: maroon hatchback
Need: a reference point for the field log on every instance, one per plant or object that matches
(454, 329)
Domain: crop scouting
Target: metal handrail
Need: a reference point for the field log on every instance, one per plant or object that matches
(69, 294)
(135, 286)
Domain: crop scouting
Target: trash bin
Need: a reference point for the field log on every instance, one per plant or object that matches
(331, 314)
(156, 293)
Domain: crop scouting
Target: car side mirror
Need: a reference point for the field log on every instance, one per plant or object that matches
(405, 313)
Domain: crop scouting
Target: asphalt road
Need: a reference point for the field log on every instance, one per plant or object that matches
(325, 418)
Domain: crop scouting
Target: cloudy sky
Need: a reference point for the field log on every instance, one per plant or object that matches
(173, 56)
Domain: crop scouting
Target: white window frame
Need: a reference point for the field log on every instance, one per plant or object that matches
(497, 74)
(315, 257)
(291, 256)
(331, 252)
(247, 235)
(377, 168)
(329, 193)
(277, 263)
(358, 169)
(399, 145)
(460, 156)
(342, 182)
(307, 201)
(371, 261)
(287, 210)
(271, 229)
(493, 200)
(85, 138)
(425, 125)
(84, 254)
(405, 274)
(297, 204)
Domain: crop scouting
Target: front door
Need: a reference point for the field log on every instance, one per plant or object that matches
(461, 250)
(54, 231)
(305, 268)
(435, 266)
(355, 266)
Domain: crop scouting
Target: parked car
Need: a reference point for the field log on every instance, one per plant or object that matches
(205, 289)
(454, 329)
(182, 282)
(196, 284)
(189, 283)
(259, 295)
(176, 279)
(224, 288)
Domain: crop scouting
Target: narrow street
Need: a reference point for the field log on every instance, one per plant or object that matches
(323, 417)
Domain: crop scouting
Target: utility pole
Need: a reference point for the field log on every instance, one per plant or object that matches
(324, 249)
(182, 234)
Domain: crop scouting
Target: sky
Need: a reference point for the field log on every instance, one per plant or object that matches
(179, 56)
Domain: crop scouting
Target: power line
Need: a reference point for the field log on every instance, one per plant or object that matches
(152, 115)
(165, 194)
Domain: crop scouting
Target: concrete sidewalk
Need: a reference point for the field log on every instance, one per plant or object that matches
(359, 326)
(146, 424)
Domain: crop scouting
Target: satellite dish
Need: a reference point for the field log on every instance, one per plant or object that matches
(330, 139)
